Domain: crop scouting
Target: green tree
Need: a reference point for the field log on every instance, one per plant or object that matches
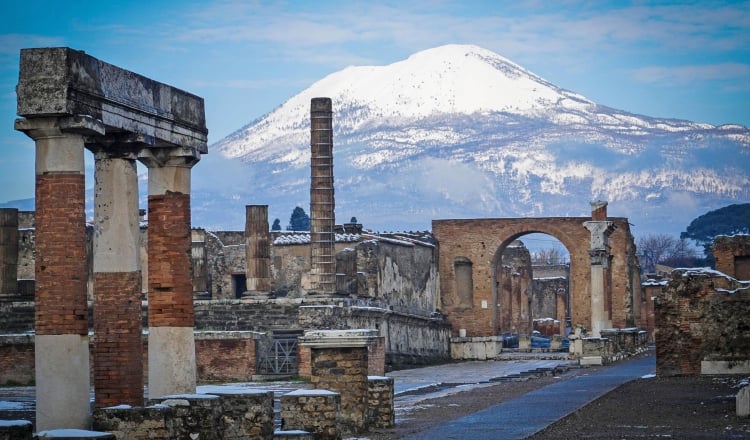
(729, 220)
(299, 221)
(276, 225)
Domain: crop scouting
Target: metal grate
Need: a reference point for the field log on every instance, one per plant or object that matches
(277, 355)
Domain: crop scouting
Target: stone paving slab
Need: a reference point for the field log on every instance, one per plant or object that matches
(523, 416)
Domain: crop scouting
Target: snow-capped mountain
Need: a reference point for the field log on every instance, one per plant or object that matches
(459, 131)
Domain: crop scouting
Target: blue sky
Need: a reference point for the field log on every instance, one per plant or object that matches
(687, 60)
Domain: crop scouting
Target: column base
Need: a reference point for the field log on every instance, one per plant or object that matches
(63, 385)
(171, 361)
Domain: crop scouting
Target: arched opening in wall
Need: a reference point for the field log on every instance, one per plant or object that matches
(531, 286)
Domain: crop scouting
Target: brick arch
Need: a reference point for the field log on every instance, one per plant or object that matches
(482, 241)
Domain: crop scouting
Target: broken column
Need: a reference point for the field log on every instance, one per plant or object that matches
(599, 253)
(339, 363)
(322, 219)
(8, 252)
(258, 250)
(118, 379)
(61, 343)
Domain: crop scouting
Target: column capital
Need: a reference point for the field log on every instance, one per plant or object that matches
(185, 157)
(600, 232)
(55, 126)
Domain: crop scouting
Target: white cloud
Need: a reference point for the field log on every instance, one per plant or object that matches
(683, 75)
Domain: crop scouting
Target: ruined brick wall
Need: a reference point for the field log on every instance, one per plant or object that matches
(225, 356)
(482, 240)
(732, 255)
(701, 315)
(16, 359)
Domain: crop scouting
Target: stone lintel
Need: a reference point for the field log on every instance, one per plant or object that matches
(55, 126)
(338, 338)
(61, 81)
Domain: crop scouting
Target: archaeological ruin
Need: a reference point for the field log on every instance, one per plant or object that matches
(141, 299)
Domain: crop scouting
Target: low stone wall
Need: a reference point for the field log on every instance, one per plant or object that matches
(220, 356)
(410, 340)
(612, 346)
(476, 348)
(702, 324)
(225, 356)
(314, 411)
(227, 416)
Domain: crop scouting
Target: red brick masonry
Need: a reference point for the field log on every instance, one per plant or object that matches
(61, 267)
(117, 345)
(170, 288)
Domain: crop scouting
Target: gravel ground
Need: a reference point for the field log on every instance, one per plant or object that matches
(676, 407)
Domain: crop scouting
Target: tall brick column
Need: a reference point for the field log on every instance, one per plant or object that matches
(322, 206)
(118, 345)
(171, 346)
(258, 250)
(599, 252)
(61, 319)
(8, 252)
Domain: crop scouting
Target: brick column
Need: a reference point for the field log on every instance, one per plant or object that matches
(118, 346)
(61, 321)
(8, 253)
(171, 345)
(258, 250)
(322, 205)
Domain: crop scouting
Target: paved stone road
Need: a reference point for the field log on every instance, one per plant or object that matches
(521, 417)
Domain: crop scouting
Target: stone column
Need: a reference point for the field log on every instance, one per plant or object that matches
(8, 253)
(322, 206)
(118, 344)
(171, 346)
(61, 322)
(258, 250)
(339, 361)
(600, 256)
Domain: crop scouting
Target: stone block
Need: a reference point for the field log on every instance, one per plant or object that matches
(16, 430)
(380, 410)
(314, 411)
(743, 402)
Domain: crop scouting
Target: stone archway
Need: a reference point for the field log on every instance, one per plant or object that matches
(521, 298)
(476, 242)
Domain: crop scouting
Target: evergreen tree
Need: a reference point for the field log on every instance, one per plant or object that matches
(276, 225)
(299, 221)
(729, 220)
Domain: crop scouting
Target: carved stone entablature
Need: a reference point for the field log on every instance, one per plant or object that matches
(60, 82)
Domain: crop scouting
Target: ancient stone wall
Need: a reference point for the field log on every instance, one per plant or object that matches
(702, 324)
(409, 340)
(544, 299)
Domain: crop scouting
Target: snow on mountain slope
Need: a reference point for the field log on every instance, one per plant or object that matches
(461, 131)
